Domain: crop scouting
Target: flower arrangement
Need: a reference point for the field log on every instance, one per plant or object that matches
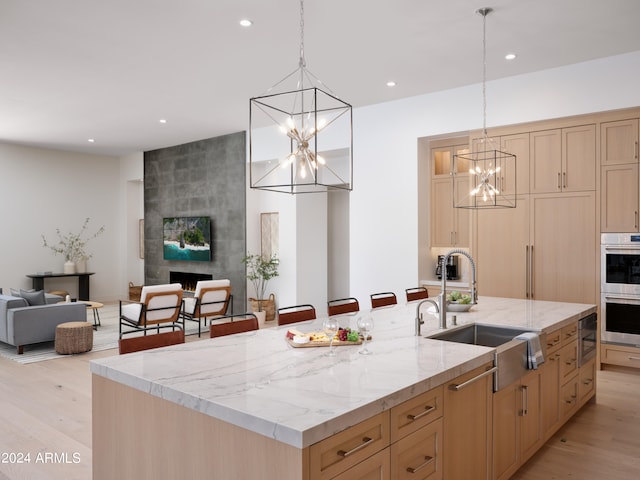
(72, 245)
(260, 270)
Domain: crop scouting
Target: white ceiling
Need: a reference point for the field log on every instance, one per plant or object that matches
(71, 70)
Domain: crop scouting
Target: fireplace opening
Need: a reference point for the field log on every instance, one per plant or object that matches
(188, 280)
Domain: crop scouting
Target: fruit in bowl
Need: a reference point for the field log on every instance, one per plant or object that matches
(458, 302)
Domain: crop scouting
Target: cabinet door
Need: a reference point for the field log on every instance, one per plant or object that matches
(518, 145)
(501, 250)
(531, 423)
(545, 161)
(619, 142)
(442, 218)
(579, 158)
(506, 431)
(467, 426)
(619, 198)
(564, 247)
(550, 394)
(449, 226)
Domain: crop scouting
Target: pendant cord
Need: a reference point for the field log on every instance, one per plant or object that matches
(484, 72)
(302, 63)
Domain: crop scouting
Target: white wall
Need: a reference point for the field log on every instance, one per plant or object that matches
(42, 190)
(384, 248)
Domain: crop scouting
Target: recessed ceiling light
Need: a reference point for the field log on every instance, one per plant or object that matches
(90, 140)
(163, 120)
(391, 83)
(245, 22)
(510, 56)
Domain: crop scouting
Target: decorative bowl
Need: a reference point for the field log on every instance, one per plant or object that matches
(459, 307)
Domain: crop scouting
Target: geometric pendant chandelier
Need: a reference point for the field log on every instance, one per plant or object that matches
(300, 135)
(491, 172)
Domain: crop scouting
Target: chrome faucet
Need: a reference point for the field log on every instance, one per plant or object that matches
(443, 287)
(419, 320)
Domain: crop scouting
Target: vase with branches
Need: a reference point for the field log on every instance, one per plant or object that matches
(73, 246)
(259, 271)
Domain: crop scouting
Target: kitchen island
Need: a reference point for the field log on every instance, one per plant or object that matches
(252, 406)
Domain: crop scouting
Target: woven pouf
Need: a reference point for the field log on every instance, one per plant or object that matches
(74, 337)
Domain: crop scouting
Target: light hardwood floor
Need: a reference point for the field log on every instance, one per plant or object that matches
(45, 412)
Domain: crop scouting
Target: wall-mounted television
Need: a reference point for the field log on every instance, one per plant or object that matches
(187, 238)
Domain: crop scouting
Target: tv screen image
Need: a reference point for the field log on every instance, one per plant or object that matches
(187, 238)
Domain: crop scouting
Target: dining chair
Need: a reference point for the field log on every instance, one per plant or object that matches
(416, 293)
(210, 299)
(296, 313)
(159, 304)
(383, 299)
(230, 324)
(148, 342)
(343, 305)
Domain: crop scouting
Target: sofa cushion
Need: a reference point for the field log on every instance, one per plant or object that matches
(34, 298)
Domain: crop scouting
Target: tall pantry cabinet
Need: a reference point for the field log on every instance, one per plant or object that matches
(544, 248)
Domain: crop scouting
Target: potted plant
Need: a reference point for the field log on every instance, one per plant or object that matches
(72, 246)
(259, 271)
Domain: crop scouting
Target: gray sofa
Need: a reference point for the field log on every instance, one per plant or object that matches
(21, 324)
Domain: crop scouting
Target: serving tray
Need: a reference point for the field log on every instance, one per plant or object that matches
(336, 343)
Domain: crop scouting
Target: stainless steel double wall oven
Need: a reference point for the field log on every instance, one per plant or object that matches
(620, 288)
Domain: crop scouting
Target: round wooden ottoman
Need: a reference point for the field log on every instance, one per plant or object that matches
(74, 337)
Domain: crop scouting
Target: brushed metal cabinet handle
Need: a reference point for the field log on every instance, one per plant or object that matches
(427, 461)
(427, 410)
(366, 441)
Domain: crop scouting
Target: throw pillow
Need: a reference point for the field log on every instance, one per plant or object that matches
(33, 298)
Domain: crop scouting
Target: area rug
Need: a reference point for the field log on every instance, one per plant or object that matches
(106, 337)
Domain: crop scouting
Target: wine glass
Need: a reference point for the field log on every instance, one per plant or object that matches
(330, 325)
(365, 325)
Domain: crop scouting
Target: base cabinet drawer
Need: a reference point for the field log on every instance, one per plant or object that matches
(336, 454)
(587, 385)
(569, 398)
(568, 361)
(376, 467)
(417, 456)
(414, 414)
(619, 355)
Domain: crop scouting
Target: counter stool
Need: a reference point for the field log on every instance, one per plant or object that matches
(74, 337)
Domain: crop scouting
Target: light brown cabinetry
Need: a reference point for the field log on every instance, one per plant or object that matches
(417, 437)
(449, 226)
(338, 453)
(620, 355)
(563, 160)
(468, 425)
(587, 385)
(517, 433)
(523, 252)
(563, 247)
(619, 180)
(550, 385)
(503, 250)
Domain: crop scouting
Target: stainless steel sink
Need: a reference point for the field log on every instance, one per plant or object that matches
(510, 356)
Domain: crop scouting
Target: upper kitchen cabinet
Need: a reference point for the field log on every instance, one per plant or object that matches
(619, 142)
(442, 156)
(619, 181)
(563, 160)
(449, 226)
(517, 145)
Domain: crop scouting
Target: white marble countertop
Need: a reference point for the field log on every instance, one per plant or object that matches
(300, 396)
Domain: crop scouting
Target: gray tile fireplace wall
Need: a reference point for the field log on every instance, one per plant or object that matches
(203, 178)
